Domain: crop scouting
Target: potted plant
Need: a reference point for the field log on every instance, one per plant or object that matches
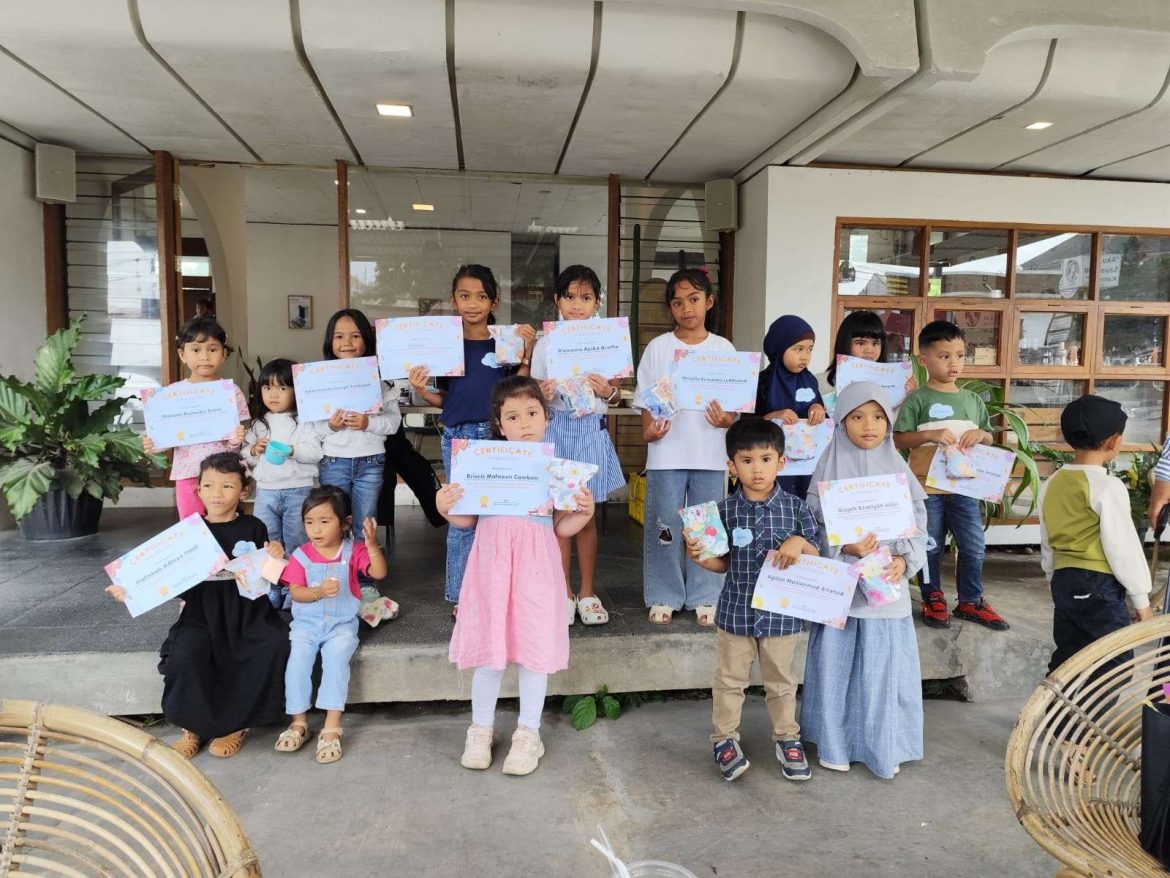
(62, 451)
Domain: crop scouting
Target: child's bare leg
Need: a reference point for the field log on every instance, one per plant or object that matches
(566, 544)
(587, 555)
(332, 727)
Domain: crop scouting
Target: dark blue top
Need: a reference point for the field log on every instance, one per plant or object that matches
(468, 397)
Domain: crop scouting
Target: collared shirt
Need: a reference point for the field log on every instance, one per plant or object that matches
(768, 524)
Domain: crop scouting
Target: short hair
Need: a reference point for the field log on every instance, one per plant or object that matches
(226, 462)
(199, 329)
(939, 330)
(510, 388)
(748, 433)
(333, 497)
(577, 274)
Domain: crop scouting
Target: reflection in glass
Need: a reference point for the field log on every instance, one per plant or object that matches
(879, 262)
(968, 262)
(1135, 268)
(982, 331)
(1052, 265)
(1043, 401)
(899, 333)
(1051, 338)
(1131, 340)
(1142, 401)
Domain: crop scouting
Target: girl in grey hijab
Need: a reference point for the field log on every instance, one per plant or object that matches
(862, 685)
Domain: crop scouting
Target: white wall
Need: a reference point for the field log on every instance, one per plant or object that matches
(22, 267)
(751, 263)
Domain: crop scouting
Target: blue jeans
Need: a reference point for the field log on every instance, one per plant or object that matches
(668, 576)
(961, 516)
(361, 478)
(459, 539)
(280, 510)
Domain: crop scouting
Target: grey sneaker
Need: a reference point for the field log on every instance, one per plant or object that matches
(730, 759)
(792, 761)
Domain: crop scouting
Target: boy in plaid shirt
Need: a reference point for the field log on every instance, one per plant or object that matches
(759, 517)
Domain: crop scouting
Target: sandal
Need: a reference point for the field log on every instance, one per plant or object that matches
(705, 613)
(188, 745)
(293, 738)
(228, 745)
(591, 610)
(328, 750)
(454, 612)
(572, 608)
(660, 614)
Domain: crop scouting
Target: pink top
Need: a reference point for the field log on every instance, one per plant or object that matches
(185, 464)
(359, 562)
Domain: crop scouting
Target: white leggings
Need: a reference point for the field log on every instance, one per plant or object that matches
(485, 690)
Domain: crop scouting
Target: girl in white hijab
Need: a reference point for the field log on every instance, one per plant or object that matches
(862, 685)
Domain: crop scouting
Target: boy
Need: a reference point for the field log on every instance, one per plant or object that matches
(759, 517)
(1089, 549)
(942, 413)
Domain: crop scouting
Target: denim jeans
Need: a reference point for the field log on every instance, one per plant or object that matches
(280, 510)
(361, 478)
(668, 576)
(961, 516)
(459, 539)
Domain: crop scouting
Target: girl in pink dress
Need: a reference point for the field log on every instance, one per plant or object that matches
(512, 603)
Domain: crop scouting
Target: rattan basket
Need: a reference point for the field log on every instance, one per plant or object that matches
(1090, 819)
(83, 794)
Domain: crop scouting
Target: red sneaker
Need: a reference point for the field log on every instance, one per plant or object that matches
(982, 614)
(934, 610)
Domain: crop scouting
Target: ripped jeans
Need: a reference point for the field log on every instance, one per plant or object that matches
(668, 576)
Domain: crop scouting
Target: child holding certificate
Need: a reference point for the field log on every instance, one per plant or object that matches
(474, 295)
(760, 518)
(685, 460)
(863, 335)
(513, 606)
(203, 349)
(578, 435)
(862, 684)
(223, 661)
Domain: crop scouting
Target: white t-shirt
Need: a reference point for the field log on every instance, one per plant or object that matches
(539, 371)
(692, 443)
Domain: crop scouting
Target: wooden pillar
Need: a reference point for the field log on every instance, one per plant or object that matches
(166, 186)
(56, 293)
(613, 283)
(343, 233)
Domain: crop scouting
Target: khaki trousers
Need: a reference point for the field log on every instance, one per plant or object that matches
(736, 654)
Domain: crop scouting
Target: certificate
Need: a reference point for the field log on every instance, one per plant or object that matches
(879, 505)
(189, 414)
(502, 478)
(582, 347)
(993, 468)
(892, 377)
(167, 565)
(727, 377)
(405, 342)
(804, 445)
(814, 589)
(329, 386)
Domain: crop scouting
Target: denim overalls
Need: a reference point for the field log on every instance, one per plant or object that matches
(328, 626)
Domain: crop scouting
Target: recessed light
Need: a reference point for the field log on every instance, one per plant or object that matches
(423, 206)
(402, 111)
(1038, 126)
(360, 211)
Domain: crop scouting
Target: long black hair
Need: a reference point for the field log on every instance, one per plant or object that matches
(857, 324)
(700, 279)
(363, 325)
(278, 371)
(484, 275)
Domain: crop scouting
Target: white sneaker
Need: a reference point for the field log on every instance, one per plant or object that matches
(833, 766)
(477, 752)
(572, 607)
(527, 748)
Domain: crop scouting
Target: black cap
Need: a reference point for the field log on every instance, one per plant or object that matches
(1088, 421)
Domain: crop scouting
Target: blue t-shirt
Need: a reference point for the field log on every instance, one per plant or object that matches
(468, 397)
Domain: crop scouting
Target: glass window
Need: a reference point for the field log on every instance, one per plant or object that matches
(1142, 401)
(879, 262)
(968, 262)
(1135, 268)
(982, 329)
(899, 332)
(1043, 401)
(1051, 338)
(1133, 340)
(1053, 265)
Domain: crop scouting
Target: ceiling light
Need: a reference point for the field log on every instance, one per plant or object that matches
(360, 211)
(402, 111)
(423, 206)
(1038, 126)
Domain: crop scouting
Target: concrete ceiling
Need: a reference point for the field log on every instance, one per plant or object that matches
(682, 90)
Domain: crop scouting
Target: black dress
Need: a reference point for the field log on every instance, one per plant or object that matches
(223, 660)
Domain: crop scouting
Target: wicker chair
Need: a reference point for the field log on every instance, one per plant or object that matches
(1088, 817)
(82, 794)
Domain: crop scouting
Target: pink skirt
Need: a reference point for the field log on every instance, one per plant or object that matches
(512, 603)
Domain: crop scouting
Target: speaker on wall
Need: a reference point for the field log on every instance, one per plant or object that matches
(55, 172)
(722, 215)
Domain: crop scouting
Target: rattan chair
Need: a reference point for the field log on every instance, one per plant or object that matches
(1089, 819)
(82, 794)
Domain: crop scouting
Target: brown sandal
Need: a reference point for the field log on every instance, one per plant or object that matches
(293, 738)
(228, 745)
(188, 745)
(329, 750)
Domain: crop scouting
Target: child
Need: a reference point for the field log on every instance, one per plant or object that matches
(762, 517)
(863, 685)
(685, 461)
(223, 661)
(788, 391)
(325, 615)
(863, 335)
(942, 413)
(283, 480)
(475, 295)
(203, 349)
(512, 598)
(578, 296)
(1089, 549)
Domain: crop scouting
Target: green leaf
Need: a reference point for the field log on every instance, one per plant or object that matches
(571, 702)
(88, 449)
(602, 689)
(102, 418)
(1019, 427)
(25, 481)
(73, 483)
(13, 401)
(11, 435)
(611, 706)
(54, 368)
(124, 443)
(584, 713)
(94, 388)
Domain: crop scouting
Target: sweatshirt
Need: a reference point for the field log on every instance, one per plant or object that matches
(367, 442)
(300, 470)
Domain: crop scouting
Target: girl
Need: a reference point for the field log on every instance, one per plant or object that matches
(787, 390)
(686, 461)
(475, 295)
(223, 661)
(578, 296)
(283, 479)
(861, 334)
(325, 615)
(862, 685)
(513, 609)
(203, 349)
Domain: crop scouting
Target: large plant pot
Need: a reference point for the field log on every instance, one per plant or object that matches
(57, 516)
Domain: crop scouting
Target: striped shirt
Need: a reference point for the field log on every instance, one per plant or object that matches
(1162, 470)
